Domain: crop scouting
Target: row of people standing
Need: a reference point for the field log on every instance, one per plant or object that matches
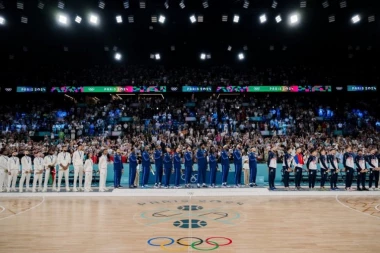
(329, 165)
(46, 167)
(169, 163)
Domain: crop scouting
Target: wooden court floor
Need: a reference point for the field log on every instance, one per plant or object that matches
(190, 224)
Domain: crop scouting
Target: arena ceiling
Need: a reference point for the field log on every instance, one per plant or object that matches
(324, 32)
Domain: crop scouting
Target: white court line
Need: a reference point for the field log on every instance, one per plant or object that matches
(340, 202)
(2, 208)
(43, 199)
(377, 208)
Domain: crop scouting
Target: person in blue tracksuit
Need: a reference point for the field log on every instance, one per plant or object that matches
(373, 165)
(324, 163)
(334, 169)
(213, 162)
(158, 157)
(252, 159)
(202, 166)
(238, 162)
(188, 167)
(287, 167)
(132, 168)
(225, 165)
(145, 167)
(118, 169)
(177, 168)
(168, 166)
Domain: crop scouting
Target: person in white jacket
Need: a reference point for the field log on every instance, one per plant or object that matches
(103, 162)
(78, 160)
(3, 171)
(38, 172)
(13, 171)
(50, 162)
(64, 161)
(26, 170)
(88, 167)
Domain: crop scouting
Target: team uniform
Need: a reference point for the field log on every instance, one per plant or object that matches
(298, 164)
(252, 161)
(132, 169)
(238, 162)
(88, 168)
(168, 166)
(158, 163)
(78, 162)
(324, 164)
(103, 173)
(188, 168)
(50, 162)
(26, 172)
(145, 168)
(64, 158)
(202, 167)
(373, 163)
(312, 169)
(225, 167)
(38, 172)
(13, 170)
(272, 165)
(333, 171)
(348, 163)
(286, 165)
(3, 172)
(361, 167)
(213, 163)
(177, 169)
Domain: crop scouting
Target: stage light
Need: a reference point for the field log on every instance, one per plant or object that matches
(118, 56)
(229, 48)
(2, 21)
(355, 19)
(161, 19)
(203, 56)
(236, 19)
(200, 18)
(119, 19)
(205, 4)
(157, 56)
(208, 56)
(131, 19)
(41, 5)
(278, 18)
(224, 18)
(78, 19)
(263, 18)
(303, 4)
(151, 56)
(166, 4)
(241, 56)
(20, 5)
(325, 4)
(114, 48)
(126, 4)
(293, 19)
(65, 49)
(142, 4)
(61, 4)
(245, 47)
(343, 4)
(62, 19)
(331, 18)
(24, 19)
(94, 19)
(172, 48)
(182, 4)
(274, 4)
(246, 4)
(193, 19)
(154, 19)
(371, 19)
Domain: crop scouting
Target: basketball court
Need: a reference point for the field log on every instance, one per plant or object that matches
(190, 220)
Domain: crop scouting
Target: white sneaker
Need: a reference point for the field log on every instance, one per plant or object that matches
(33, 190)
(102, 190)
(58, 190)
(376, 189)
(8, 190)
(44, 190)
(67, 190)
(75, 190)
(371, 189)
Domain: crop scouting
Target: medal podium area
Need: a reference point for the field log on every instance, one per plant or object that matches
(190, 220)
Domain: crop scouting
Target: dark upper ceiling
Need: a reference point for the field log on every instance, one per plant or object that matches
(313, 39)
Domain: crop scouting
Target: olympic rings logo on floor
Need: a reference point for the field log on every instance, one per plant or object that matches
(165, 242)
(193, 178)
